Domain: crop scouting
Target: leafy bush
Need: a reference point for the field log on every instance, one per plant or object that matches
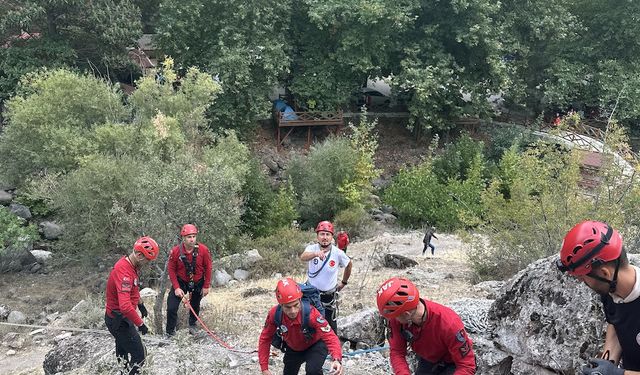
(281, 250)
(355, 220)
(457, 158)
(317, 178)
(529, 207)
(49, 122)
(258, 199)
(13, 232)
(357, 187)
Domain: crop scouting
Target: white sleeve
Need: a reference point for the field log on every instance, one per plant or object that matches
(310, 248)
(343, 259)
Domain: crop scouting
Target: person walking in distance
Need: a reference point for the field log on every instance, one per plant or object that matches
(122, 298)
(306, 335)
(324, 261)
(190, 274)
(427, 240)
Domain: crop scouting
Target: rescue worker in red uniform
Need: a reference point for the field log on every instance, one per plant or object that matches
(593, 252)
(434, 332)
(190, 272)
(310, 346)
(123, 295)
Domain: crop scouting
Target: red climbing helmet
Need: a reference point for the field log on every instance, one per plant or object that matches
(589, 244)
(148, 247)
(396, 296)
(325, 226)
(188, 229)
(342, 240)
(287, 291)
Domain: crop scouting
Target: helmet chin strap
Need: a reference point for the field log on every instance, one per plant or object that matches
(613, 283)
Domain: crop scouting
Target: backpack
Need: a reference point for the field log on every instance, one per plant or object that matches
(310, 297)
(342, 241)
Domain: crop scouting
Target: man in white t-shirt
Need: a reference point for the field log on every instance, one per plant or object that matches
(325, 260)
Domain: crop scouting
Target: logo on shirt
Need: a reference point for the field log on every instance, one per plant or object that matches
(315, 260)
(332, 263)
(326, 328)
(460, 336)
(320, 320)
(464, 349)
(126, 284)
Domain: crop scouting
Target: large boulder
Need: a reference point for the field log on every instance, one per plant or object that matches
(20, 210)
(473, 313)
(238, 261)
(398, 261)
(366, 326)
(17, 257)
(5, 198)
(50, 230)
(545, 321)
(72, 352)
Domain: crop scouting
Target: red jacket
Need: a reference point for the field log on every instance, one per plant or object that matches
(123, 291)
(177, 269)
(294, 336)
(441, 338)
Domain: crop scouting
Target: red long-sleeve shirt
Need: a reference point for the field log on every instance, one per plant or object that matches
(294, 337)
(440, 338)
(123, 291)
(177, 269)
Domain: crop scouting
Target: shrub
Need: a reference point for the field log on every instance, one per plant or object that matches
(13, 232)
(50, 120)
(316, 179)
(355, 220)
(258, 200)
(281, 250)
(455, 162)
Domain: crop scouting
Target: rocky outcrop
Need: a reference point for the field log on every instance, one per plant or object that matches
(398, 261)
(542, 322)
(50, 230)
(366, 327)
(74, 351)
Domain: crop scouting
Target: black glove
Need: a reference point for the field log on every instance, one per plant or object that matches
(143, 310)
(143, 329)
(598, 366)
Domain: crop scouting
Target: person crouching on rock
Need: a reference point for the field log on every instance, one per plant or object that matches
(434, 332)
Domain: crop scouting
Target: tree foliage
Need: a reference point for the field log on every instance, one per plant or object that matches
(90, 35)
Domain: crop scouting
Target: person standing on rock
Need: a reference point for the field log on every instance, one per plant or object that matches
(190, 274)
(308, 343)
(324, 261)
(427, 240)
(122, 297)
(593, 252)
(435, 332)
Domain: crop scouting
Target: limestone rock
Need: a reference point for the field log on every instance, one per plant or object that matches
(41, 255)
(221, 278)
(398, 261)
(20, 210)
(241, 275)
(364, 326)
(243, 261)
(5, 198)
(50, 230)
(16, 317)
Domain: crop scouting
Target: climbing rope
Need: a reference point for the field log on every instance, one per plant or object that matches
(72, 329)
(185, 300)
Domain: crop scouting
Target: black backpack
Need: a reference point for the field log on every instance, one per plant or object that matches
(310, 297)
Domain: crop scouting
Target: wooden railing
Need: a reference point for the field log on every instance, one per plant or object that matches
(293, 120)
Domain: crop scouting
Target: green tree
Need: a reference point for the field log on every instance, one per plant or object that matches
(50, 122)
(317, 178)
(244, 44)
(91, 35)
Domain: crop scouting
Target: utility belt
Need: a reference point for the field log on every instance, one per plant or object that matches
(191, 286)
(117, 319)
(329, 298)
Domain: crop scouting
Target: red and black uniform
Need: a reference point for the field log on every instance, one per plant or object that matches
(299, 349)
(121, 317)
(441, 343)
(191, 272)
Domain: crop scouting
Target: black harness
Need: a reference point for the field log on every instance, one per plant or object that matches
(190, 267)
